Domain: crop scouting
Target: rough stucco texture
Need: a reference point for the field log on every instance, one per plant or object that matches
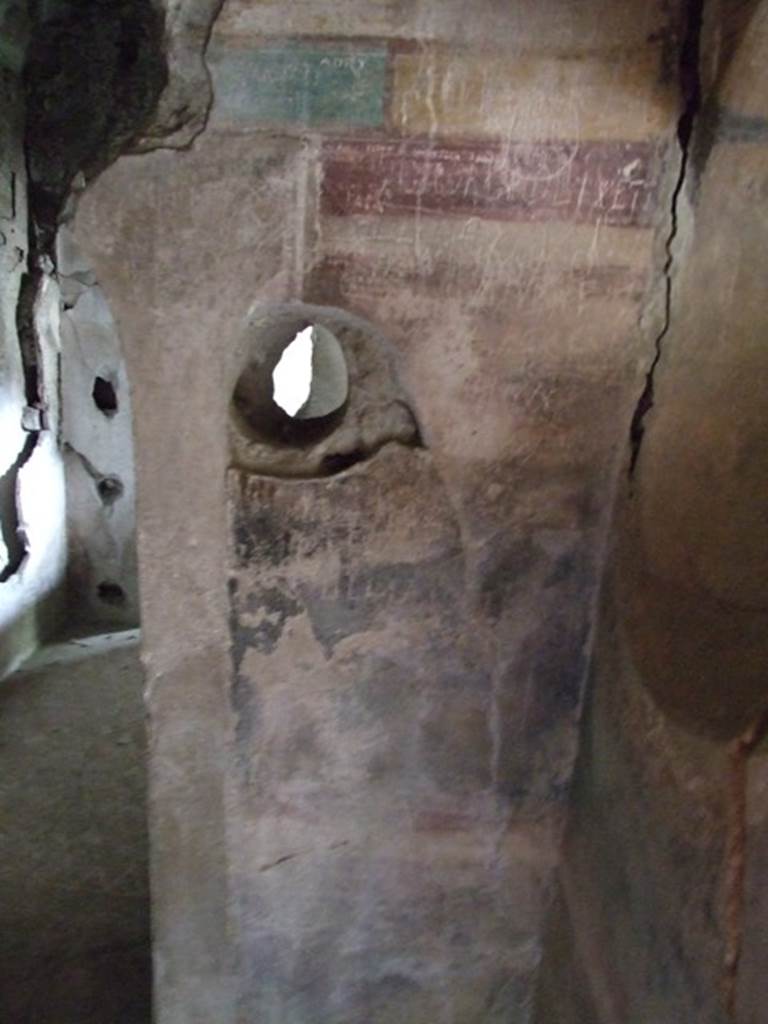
(663, 873)
(694, 580)
(364, 690)
(643, 863)
(102, 581)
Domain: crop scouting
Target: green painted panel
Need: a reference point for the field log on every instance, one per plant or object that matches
(301, 85)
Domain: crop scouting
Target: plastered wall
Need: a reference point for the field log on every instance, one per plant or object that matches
(663, 867)
(365, 687)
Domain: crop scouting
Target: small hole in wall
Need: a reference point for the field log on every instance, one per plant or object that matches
(111, 593)
(104, 395)
(310, 379)
(298, 392)
(292, 377)
(110, 488)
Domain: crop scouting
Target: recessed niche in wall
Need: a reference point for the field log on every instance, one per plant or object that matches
(297, 393)
(110, 488)
(105, 395)
(313, 391)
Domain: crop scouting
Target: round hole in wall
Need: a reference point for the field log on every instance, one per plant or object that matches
(104, 395)
(111, 593)
(296, 392)
(110, 488)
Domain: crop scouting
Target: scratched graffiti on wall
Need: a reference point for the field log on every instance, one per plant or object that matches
(614, 183)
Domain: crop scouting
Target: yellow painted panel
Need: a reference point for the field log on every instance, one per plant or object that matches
(532, 97)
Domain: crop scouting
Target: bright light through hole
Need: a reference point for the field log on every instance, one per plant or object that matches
(292, 377)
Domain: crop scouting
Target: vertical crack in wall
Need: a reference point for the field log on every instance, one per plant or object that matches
(26, 330)
(11, 522)
(736, 858)
(93, 75)
(690, 90)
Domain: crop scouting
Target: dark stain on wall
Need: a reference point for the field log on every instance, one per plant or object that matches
(364, 593)
(270, 608)
(505, 573)
(259, 534)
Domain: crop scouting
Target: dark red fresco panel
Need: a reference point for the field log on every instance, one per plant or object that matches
(613, 183)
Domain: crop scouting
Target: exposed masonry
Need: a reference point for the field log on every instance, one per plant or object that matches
(52, 173)
(48, 193)
(690, 87)
(184, 106)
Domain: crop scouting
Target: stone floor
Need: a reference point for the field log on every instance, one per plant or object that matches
(74, 941)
